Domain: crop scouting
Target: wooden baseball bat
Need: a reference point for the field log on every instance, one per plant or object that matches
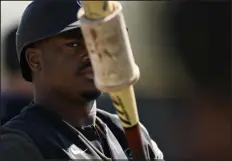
(123, 98)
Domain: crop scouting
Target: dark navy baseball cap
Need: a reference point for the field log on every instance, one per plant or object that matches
(43, 19)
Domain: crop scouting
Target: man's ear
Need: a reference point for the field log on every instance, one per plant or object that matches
(33, 57)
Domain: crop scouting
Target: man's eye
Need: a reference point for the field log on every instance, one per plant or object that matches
(73, 45)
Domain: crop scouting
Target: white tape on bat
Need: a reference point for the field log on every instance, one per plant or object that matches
(109, 50)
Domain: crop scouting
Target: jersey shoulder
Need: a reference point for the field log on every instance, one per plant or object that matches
(15, 144)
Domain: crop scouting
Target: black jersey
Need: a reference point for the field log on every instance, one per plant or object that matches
(38, 133)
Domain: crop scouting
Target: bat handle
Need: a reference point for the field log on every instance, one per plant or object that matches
(125, 104)
(135, 140)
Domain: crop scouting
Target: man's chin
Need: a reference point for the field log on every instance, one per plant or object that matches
(91, 95)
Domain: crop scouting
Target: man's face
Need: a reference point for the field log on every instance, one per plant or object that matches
(65, 66)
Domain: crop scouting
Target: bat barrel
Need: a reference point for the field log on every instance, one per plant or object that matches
(97, 9)
(109, 50)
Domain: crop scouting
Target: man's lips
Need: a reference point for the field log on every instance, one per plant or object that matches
(88, 72)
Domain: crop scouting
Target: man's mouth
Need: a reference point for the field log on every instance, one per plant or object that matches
(88, 72)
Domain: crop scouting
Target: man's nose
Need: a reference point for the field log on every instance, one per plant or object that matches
(85, 57)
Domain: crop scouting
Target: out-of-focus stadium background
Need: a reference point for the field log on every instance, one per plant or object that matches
(183, 95)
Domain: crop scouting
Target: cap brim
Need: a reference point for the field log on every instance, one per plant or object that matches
(72, 26)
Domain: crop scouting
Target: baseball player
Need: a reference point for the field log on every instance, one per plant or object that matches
(62, 121)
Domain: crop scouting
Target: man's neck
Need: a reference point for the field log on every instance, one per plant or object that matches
(77, 113)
